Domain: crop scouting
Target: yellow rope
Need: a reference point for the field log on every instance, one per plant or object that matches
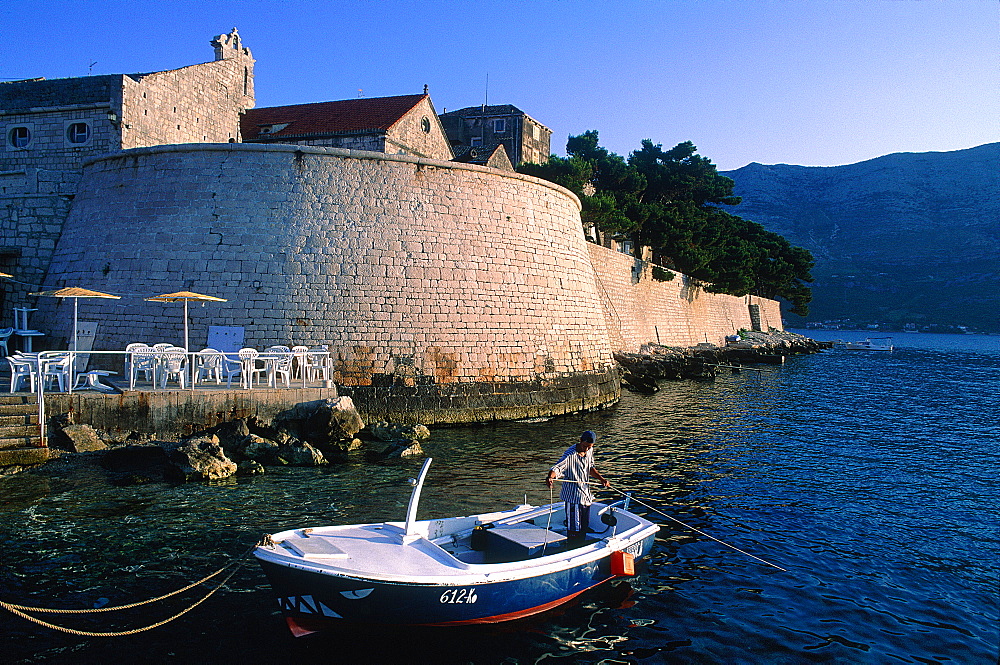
(86, 633)
(48, 610)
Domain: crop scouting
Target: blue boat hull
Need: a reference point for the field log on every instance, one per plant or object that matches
(309, 599)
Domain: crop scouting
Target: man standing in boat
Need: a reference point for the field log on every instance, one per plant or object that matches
(576, 467)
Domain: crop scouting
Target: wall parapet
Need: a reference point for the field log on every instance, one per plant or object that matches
(333, 152)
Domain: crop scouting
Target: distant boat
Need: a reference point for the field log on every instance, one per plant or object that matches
(870, 344)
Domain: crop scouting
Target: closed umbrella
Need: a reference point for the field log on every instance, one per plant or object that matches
(186, 296)
(75, 293)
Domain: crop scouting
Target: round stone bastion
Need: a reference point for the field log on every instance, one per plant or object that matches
(445, 292)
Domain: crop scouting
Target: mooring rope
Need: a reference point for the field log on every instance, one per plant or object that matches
(686, 526)
(20, 610)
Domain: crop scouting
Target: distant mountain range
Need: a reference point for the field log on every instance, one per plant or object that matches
(908, 238)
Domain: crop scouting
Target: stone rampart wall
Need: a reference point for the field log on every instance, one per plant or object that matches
(639, 309)
(415, 272)
(29, 230)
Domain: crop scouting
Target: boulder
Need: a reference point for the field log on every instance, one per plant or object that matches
(79, 439)
(296, 453)
(232, 436)
(333, 419)
(259, 449)
(249, 467)
(201, 459)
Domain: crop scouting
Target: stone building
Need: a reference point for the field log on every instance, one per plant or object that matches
(524, 138)
(457, 291)
(400, 125)
(49, 128)
(493, 156)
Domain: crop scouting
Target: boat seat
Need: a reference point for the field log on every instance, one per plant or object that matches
(315, 547)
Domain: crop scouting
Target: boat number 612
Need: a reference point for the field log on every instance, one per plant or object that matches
(459, 596)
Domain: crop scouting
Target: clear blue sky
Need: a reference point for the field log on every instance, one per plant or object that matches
(810, 82)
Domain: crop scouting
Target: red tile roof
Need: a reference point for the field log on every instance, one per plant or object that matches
(344, 116)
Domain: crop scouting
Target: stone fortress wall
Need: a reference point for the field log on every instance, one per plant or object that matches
(639, 309)
(416, 273)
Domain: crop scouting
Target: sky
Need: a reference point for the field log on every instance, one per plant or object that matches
(807, 82)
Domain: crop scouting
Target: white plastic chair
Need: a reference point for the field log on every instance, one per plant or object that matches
(173, 363)
(129, 348)
(248, 367)
(214, 364)
(280, 364)
(141, 359)
(5, 334)
(317, 364)
(299, 353)
(21, 369)
(55, 371)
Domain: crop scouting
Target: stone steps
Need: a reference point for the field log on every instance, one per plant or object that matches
(19, 434)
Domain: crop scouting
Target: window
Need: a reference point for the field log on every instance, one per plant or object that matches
(425, 124)
(20, 137)
(534, 132)
(476, 141)
(78, 132)
(499, 126)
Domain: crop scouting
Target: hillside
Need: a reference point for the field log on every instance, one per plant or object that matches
(905, 238)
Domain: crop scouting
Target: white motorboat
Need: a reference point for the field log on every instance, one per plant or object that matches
(870, 344)
(484, 568)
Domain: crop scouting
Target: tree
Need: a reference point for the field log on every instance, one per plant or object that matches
(670, 200)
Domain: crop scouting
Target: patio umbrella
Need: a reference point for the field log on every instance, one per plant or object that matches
(186, 296)
(75, 293)
(3, 274)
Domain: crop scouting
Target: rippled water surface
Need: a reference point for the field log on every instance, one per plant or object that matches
(870, 477)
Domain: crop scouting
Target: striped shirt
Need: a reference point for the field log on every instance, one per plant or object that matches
(574, 466)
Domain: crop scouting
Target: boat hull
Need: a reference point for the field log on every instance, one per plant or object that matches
(310, 599)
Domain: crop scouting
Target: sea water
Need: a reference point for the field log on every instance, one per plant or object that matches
(869, 477)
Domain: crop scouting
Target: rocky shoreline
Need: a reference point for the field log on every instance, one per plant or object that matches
(331, 430)
(641, 372)
(312, 434)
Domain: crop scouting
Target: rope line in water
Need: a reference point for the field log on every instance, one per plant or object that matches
(120, 633)
(686, 526)
(20, 610)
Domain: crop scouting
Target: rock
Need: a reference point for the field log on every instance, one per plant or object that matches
(260, 427)
(249, 468)
(201, 459)
(333, 420)
(79, 439)
(260, 450)
(297, 453)
(233, 435)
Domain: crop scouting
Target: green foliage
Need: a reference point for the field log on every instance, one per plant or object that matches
(670, 200)
(662, 275)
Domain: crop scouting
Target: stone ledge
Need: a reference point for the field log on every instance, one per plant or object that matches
(23, 456)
